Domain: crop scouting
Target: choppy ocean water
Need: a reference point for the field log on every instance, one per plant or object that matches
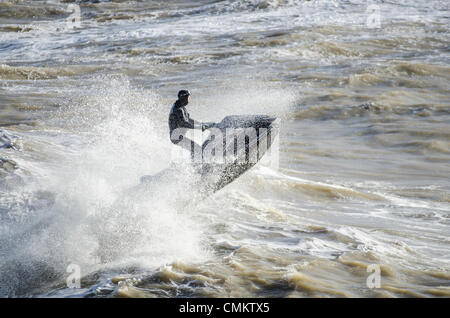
(361, 87)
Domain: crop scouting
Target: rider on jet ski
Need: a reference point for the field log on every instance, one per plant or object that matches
(180, 121)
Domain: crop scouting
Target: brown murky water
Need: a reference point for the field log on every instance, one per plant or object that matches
(364, 149)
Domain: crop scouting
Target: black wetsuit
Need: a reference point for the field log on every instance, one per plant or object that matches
(179, 118)
(179, 123)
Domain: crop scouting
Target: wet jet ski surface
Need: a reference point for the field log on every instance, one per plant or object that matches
(235, 145)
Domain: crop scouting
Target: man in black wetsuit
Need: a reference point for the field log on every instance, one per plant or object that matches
(180, 122)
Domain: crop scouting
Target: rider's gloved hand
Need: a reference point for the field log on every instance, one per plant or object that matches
(207, 126)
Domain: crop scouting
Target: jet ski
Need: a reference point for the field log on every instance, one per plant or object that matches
(243, 141)
(234, 146)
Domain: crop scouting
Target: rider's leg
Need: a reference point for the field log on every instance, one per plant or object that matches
(194, 148)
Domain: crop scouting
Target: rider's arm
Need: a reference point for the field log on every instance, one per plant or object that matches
(185, 121)
(195, 124)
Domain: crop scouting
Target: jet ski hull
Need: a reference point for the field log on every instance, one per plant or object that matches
(245, 140)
